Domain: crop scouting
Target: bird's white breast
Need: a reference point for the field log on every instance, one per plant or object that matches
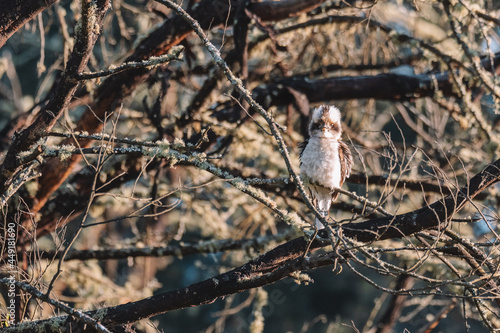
(321, 162)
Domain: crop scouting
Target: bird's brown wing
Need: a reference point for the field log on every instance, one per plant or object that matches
(302, 146)
(345, 162)
(345, 165)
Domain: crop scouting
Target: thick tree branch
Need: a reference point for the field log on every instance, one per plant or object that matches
(279, 10)
(389, 86)
(269, 268)
(16, 13)
(205, 247)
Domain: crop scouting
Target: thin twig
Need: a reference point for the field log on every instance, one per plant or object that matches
(148, 63)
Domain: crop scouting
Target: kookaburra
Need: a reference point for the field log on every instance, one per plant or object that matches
(324, 159)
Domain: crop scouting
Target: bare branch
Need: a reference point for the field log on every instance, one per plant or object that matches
(149, 63)
(58, 325)
(16, 13)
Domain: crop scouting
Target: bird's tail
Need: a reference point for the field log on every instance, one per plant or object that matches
(318, 223)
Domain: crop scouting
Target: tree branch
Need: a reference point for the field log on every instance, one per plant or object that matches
(279, 10)
(16, 13)
(212, 246)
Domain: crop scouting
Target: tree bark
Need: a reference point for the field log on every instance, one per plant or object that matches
(16, 13)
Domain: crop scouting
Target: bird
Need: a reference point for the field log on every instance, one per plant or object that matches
(325, 159)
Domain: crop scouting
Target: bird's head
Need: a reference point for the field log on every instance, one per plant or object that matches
(325, 123)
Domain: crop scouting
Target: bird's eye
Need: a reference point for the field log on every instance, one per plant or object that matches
(335, 127)
(315, 126)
